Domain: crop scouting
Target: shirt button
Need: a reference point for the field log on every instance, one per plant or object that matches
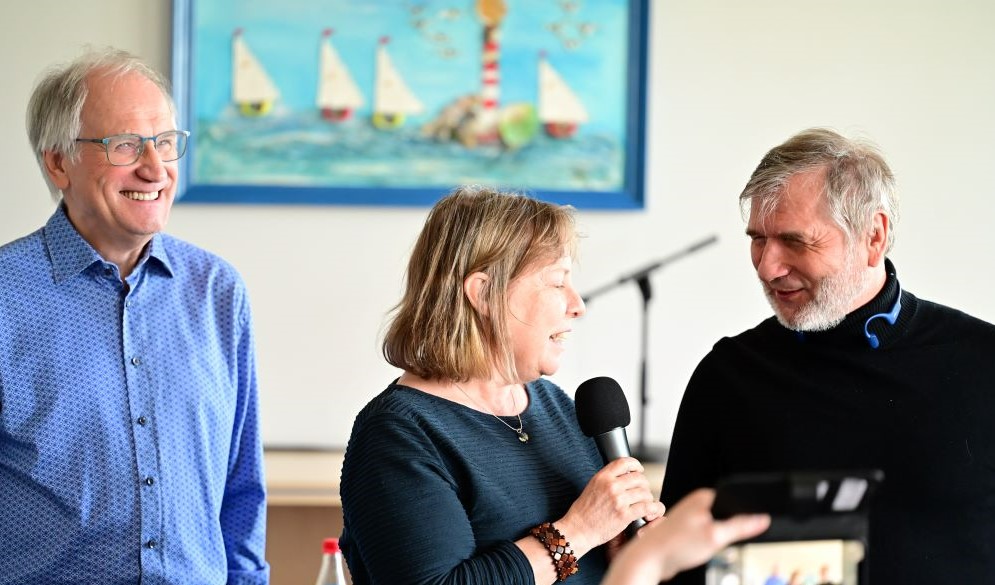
(142, 420)
(149, 480)
(151, 543)
(136, 361)
(127, 303)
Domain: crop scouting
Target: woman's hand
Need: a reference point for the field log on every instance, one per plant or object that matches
(687, 537)
(618, 494)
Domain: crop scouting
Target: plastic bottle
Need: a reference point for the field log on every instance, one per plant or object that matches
(332, 570)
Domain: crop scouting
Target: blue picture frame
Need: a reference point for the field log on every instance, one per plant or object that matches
(280, 150)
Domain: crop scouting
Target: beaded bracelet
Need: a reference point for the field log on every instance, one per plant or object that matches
(559, 549)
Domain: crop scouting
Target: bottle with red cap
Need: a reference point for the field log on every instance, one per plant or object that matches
(332, 570)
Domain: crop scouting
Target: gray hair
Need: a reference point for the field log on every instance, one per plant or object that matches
(56, 105)
(858, 182)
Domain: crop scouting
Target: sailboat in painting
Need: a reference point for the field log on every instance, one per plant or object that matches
(252, 89)
(338, 95)
(560, 110)
(392, 99)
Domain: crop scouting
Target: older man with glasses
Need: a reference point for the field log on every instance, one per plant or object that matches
(129, 443)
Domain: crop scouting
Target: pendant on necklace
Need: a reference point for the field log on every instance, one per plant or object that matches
(523, 436)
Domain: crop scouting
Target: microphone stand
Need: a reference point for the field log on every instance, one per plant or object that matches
(640, 276)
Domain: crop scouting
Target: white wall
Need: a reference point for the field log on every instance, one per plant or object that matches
(728, 80)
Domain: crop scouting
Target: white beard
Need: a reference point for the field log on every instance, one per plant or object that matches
(834, 296)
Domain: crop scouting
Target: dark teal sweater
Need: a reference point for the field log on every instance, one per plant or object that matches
(435, 492)
(921, 408)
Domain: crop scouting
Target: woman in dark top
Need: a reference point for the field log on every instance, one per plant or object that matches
(470, 467)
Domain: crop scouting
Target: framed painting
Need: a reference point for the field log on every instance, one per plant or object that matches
(395, 102)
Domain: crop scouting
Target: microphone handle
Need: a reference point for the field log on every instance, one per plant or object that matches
(633, 528)
(613, 445)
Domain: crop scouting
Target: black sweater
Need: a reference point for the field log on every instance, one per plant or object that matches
(921, 408)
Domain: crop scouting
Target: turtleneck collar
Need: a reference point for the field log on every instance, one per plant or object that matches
(851, 330)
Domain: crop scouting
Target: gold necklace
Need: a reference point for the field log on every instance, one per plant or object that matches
(522, 435)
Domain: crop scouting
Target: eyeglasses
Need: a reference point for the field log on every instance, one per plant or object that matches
(125, 149)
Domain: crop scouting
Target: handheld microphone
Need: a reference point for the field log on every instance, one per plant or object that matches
(603, 414)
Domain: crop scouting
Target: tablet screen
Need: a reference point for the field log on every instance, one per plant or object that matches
(814, 562)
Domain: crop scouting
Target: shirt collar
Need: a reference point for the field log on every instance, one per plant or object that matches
(158, 252)
(71, 254)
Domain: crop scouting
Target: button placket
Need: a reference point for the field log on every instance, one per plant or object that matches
(139, 383)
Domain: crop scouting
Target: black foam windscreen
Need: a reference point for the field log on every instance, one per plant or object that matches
(601, 406)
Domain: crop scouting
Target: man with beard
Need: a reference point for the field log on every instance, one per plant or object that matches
(853, 371)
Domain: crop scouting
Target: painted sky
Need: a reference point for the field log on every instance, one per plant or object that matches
(435, 44)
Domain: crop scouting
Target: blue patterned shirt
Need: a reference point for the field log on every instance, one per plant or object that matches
(129, 444)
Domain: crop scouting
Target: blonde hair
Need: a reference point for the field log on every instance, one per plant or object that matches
(435, 332)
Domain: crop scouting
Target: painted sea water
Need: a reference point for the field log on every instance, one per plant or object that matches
(297, 149)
